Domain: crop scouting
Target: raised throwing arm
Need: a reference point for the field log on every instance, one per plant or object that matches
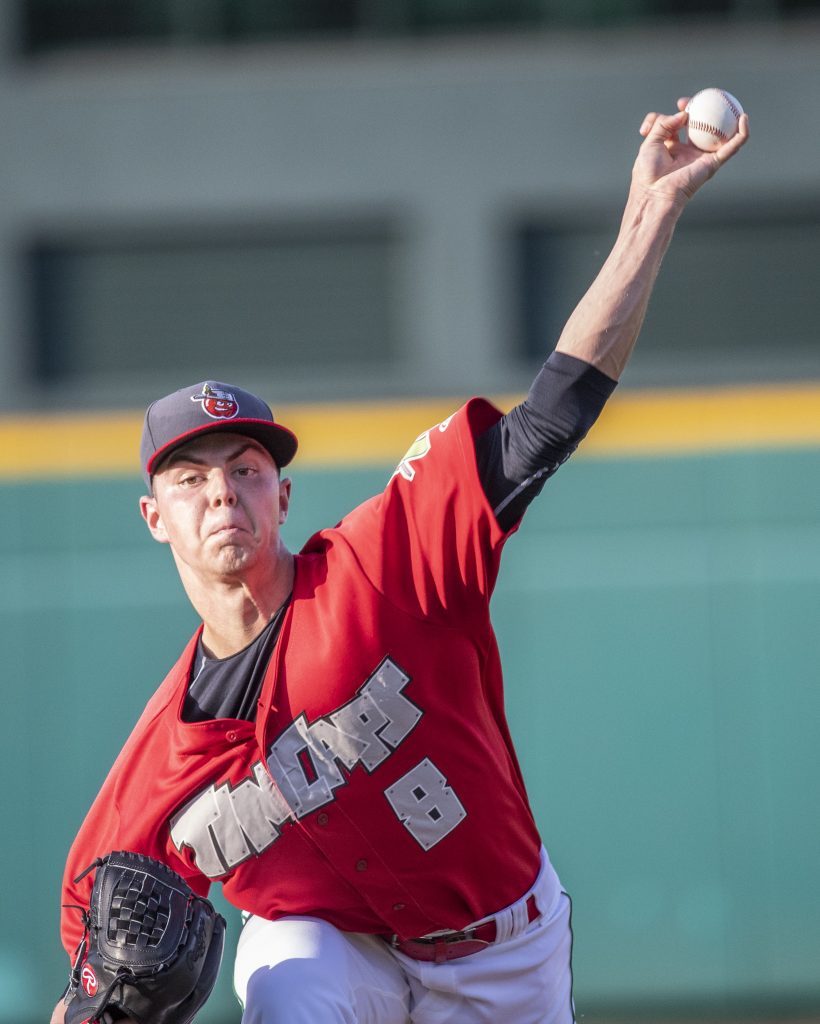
(667, 172)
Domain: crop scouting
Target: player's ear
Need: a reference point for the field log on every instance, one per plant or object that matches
(284, 498)
(153, 519)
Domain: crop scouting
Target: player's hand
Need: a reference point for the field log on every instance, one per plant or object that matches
(669, 167)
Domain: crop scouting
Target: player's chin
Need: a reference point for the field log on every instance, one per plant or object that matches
(232, 556)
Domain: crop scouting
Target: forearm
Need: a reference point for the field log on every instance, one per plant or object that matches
(605, 325)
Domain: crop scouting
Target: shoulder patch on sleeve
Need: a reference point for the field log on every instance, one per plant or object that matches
(417, 450)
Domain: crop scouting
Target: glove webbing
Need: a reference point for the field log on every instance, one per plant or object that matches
(134, 915)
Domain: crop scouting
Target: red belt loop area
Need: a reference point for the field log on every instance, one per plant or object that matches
(454, 945)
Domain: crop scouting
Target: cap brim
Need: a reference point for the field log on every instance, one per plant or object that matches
(278, 440)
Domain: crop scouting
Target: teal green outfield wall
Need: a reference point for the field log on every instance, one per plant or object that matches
(659, 624)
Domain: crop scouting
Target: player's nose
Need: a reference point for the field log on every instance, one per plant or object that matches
(220, 488)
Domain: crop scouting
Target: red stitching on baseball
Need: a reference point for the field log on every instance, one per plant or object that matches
(702, 126)
(731, 105)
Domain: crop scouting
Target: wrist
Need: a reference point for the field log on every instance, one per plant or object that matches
(652, 201)
(649, 219)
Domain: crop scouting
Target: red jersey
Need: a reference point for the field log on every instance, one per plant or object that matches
(378, 788)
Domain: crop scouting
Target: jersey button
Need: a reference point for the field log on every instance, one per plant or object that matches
(399, 906)
(361, 865)
(322, 819)
(230, 736)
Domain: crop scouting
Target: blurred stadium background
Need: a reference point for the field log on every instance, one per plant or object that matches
(367, 210)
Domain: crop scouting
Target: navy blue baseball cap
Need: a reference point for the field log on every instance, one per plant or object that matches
(205, 408)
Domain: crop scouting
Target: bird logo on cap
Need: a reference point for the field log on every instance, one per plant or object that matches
(219, 405)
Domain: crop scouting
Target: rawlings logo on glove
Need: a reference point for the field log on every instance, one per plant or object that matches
(151, 949)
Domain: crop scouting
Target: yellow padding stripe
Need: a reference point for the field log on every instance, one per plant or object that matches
(722, 419)
(362, 434)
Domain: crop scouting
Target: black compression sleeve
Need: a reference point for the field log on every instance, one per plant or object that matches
(520, 452)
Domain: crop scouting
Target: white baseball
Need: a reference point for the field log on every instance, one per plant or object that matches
(713, 118)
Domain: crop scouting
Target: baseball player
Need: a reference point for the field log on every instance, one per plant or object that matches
(331, 745)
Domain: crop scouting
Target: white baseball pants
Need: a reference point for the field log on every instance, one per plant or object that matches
(301, 970)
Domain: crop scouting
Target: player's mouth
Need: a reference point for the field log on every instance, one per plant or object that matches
(228, 530)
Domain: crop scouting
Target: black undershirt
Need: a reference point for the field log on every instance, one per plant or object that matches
(519, 453)
(230, 687)
(515, 458)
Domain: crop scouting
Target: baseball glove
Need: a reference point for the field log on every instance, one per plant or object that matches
(151, 949)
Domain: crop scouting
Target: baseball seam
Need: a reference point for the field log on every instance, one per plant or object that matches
(730, 105)
(703, 126)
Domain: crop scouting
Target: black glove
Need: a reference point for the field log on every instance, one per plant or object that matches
(151, 949)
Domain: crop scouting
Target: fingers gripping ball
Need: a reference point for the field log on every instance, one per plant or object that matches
(713, 118)
(151, 949)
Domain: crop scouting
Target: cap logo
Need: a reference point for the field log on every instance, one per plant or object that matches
(219, 405)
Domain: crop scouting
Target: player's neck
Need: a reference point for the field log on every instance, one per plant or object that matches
(236, 610)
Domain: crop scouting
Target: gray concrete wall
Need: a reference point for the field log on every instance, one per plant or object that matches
(452, 140)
